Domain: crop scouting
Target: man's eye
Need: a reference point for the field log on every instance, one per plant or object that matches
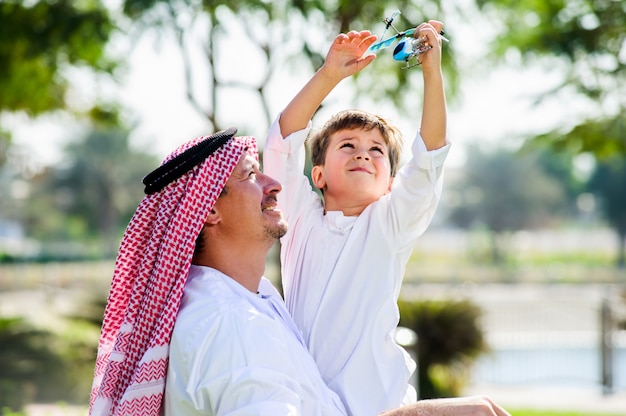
(251, 174)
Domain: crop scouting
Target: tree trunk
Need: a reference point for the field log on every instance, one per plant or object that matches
(621, 247)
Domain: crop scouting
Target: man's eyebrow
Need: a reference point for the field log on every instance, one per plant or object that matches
(248, 165)
(252, 164)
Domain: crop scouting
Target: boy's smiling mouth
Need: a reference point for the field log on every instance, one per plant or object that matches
(360, 169)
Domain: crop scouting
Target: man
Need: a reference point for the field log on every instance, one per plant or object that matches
(198, 241)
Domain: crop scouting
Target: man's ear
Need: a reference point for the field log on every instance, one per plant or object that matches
(214, 217)
(317, 177)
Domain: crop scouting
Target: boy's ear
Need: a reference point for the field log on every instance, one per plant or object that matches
(317, 177)
(390, 184)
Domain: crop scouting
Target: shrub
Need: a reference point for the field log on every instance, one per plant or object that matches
(449, 339)
(25, 357)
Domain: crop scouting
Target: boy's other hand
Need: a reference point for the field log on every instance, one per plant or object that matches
(431, 59)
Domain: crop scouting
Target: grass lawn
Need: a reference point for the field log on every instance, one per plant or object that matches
(534, 412)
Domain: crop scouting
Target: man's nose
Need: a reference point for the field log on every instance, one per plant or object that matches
(271, 185)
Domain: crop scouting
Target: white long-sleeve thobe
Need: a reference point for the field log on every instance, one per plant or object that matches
(342, 275)
(234, 352)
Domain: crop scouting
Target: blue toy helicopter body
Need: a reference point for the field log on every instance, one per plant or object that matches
(407, 47)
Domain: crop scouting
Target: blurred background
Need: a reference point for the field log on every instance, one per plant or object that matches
(517, 290)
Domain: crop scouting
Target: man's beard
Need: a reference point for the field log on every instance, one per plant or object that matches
(276, 231)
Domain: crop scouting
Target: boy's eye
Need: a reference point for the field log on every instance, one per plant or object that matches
(377, 149)
(346, 145)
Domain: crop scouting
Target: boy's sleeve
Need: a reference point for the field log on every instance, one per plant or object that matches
(284, 160)
(415, 193)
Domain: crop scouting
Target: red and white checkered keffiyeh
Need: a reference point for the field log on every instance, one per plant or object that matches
(148, 281)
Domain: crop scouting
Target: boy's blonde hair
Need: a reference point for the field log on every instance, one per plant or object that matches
(357, 119)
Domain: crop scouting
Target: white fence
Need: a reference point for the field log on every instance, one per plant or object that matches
(545, 334)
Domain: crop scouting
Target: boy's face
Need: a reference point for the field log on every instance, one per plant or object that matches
(356, 171)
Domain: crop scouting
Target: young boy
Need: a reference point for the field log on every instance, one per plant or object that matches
(343, 258)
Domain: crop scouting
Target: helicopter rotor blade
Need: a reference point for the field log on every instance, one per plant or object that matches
(383, 44)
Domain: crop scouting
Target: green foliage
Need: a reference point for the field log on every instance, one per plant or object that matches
(585, 38)
(25, 356)
(290, 35)
(609, 183)
(579, 31)
(6, 411)
(385, 80)
(503, 191)
(559, 166)
(39, 40)
(94, 195)
(76, 349)
(262, 22)
(449, 340)
(5, 142)
(536, 412)
(602, 137)
(45, 367)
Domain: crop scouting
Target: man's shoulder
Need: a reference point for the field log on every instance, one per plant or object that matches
(218, 319)
(209, 295)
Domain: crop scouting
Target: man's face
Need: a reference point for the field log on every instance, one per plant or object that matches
(248, 204)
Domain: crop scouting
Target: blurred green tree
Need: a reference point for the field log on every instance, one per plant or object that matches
(94, 195)
(608, 182)
(586, 40)
(284, 34)
(25, 357)
(604, 138)
(502, 192)
(40, 41)
(561, 166)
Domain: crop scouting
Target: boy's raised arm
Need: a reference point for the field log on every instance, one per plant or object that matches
(434, 113)
(344, 58)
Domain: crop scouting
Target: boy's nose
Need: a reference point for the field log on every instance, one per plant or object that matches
(362, 155)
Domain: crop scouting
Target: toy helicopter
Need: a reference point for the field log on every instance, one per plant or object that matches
(407, 47)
